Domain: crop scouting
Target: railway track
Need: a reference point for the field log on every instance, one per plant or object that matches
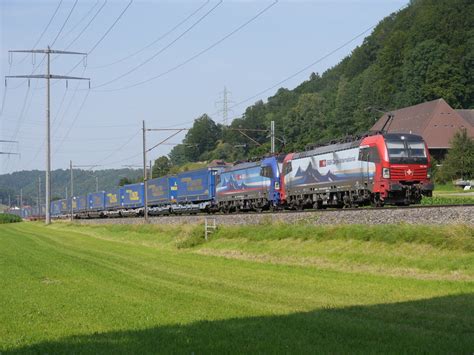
(426, 214)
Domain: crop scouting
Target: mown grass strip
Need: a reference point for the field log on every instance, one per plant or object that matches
(130, 289)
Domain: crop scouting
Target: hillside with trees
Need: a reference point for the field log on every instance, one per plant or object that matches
(421, 53)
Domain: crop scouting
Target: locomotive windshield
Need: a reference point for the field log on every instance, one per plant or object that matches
(406, 150)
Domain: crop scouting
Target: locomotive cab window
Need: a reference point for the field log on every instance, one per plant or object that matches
(266, 171)
(369, 154)
(406, 151)
(287, 168)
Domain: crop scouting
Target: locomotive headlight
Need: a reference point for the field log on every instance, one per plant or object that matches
(428, 173)
(386, 173)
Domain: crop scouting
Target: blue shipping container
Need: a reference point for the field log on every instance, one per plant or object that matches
(162, 191)
(56, 208)
(131, 196)
(112, 199)
(197, 185)
(79, 203)
(96, 201)
(65, 206)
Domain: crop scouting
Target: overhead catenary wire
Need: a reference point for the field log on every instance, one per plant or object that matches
(156, 40)
(149, 59)
(195, 56)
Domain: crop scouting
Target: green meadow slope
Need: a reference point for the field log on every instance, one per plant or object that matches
(148, 289)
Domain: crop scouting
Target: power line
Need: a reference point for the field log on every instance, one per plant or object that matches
(63, 116)
(119, 148)
(305, 68)
(197, 54)
(38, 150)
(163, 49)
(87, 25)
(80, 21)
(65, 22)
(155, 40)
(73, 122)
(48, 76)
(45, 29)
(292, 75)
(103, 36)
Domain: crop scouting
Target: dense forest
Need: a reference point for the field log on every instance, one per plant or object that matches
(421, 53)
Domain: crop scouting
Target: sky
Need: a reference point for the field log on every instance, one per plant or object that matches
(168, 83)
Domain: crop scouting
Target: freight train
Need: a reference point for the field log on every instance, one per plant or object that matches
(378, 169)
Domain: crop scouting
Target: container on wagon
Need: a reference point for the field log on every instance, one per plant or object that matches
(79, 203)
(112, 199)
(162, 191)
(196, 185)
(131, 196)
(65, 206)
(56, 208)
(96, 201)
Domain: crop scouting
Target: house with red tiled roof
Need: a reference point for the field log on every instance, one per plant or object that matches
(435, 121)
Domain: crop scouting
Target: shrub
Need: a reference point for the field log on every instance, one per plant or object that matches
(9, 218)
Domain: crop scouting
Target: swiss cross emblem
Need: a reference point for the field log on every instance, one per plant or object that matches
(322, 163)
(409, 172)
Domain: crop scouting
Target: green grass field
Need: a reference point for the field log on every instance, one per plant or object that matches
(149, 289)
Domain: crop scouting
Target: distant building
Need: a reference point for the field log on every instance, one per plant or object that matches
(468, 115)
(435, 121)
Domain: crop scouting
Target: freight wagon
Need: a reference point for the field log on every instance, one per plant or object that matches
(196, 190)
(161, 195)
(96, 204)
(112, 203)
(132, 199)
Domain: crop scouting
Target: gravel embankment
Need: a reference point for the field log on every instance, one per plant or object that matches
(431, 215)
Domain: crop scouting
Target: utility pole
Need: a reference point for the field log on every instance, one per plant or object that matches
(272, 136)
(48, 51)
(96, 183)
(72, 189)
(71, 172)
(145, 150)
(151, 172)
(21, 199)
(145, 177)
(39, 196)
